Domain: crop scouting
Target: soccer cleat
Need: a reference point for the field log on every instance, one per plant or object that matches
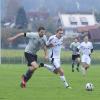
(68, 87)
(23, 83)
(72, 70)
(77, 69)
(41, 65)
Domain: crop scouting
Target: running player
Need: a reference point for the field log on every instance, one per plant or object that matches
(36, 41)
(86, 48)
(55, 44)
(75, 54)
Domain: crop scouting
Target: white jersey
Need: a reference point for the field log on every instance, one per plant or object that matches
(85, 48)
(54, 52)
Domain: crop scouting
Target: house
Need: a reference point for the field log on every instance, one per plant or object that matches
(71, 21)
(38, 15)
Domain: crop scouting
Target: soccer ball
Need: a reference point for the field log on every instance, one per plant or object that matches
(89, 86)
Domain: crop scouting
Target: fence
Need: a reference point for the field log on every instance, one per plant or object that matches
(10, 56)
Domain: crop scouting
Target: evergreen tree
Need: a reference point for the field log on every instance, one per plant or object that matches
(21, 19)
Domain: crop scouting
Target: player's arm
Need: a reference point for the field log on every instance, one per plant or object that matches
(16, 36)
(78, 48)
(49, 43)
(45, 52)
(92, 48)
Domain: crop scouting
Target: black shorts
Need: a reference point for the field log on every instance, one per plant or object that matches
(74, 57)
(30, 58)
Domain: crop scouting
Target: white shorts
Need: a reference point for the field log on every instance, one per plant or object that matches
(56, 62)
(86, 59)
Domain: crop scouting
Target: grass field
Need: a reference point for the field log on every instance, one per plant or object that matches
(46, 86)
(20, 53)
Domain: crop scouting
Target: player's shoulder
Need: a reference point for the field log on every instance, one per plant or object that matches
(52, 37)
(90, 43)
(82, 43)
(78, 42)
(44, 36)
(72, 43)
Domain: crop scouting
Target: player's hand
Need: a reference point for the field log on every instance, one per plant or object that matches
(46, 58)
(51, 45)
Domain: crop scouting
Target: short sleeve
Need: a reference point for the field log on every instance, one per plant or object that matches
(31, 34)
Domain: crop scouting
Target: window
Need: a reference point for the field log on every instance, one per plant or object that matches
(73, 21)
(84, 21)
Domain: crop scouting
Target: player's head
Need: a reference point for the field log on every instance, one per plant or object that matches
(75, 40)
(86, 38)
(59, 32)
(41, 31)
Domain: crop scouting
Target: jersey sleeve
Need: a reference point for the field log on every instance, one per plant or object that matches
(30, 34)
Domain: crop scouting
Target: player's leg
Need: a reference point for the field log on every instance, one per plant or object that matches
(62, 77)
(60, 71)
(85, 64)
(49, 67)
(30, 71)
(88, 61)
(78, 63)
(32, 66)
(73, 62)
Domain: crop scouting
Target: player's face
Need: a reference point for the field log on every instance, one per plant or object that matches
(86, 39)
(41, 33)
(76, 40)
(60, 34)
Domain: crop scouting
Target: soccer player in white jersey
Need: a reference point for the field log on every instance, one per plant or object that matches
(75, 54)
(36, 41)
(86, 48)
(54, 44)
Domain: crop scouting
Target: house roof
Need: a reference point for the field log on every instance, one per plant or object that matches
(79, 12)
(87, 28)
(94, 34)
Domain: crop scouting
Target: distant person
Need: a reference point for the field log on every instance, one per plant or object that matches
(36, 41)
(86, 48)
(75, 54)
(54, 44)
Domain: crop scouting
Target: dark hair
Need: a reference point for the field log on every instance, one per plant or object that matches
(59, 29)
(41, 28)
(86, 36)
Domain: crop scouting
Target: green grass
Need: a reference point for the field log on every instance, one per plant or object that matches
(46, 86)
(20, 53)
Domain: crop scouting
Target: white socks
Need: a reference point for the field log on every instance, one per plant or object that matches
(49, 67)
(83, 71)
(64, 80)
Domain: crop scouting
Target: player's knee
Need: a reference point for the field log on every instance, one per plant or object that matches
(61, 72)
(55, 71)
(34, 65)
